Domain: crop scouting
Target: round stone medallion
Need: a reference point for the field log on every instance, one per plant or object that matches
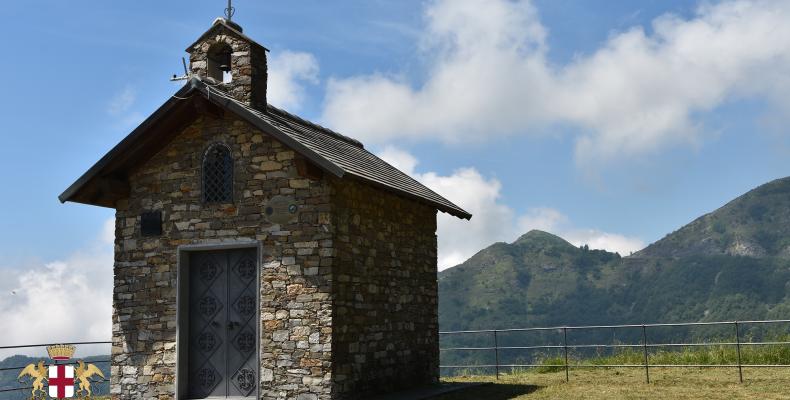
(281, 210)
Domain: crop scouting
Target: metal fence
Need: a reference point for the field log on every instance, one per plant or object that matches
(644, 345)
(4, 391)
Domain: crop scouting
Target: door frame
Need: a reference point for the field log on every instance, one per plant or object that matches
(182, 307)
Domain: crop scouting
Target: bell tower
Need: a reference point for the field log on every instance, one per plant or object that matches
(230, 61)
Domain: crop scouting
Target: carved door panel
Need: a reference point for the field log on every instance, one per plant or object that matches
(223, 330)
(243, 326)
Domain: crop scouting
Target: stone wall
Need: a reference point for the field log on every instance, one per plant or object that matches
(296, 320)
(385, 331)
(248, 67)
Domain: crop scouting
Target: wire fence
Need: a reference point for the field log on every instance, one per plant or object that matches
(14, 370)
(644, 346)
(561, 333)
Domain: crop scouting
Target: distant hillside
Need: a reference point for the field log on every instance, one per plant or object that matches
(733, 263)
(541, 280)
(519, 284)
(756, 224)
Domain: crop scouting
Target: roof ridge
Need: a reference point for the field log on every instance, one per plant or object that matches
(221, 22)
(270, 109)
(326, 130)
(339, 155)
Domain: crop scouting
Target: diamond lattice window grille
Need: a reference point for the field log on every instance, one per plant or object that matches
(218, 175)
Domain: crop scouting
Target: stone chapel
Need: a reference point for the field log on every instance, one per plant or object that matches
(260, 255)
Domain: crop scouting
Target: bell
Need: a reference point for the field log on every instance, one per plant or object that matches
(224, 68)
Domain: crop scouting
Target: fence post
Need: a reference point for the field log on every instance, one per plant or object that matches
(565, 348)
(738, 347)
(644, 346)
(496, 354)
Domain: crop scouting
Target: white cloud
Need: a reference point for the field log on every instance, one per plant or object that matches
(62, 300)
(288, 72)
(553, 221)
(604, 240)
(492, 220)
(542, 218)
(122, 101)
(399, 159)
(489, 75)
(120, 108)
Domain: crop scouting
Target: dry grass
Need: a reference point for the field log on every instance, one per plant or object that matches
(622, 383)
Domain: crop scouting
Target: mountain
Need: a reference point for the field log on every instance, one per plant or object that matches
(733, 263)
(525, 281)
(541, 280)
(753, 225)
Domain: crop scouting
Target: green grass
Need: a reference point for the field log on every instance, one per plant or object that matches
(548, 380)
(629, 383)
(708, 355)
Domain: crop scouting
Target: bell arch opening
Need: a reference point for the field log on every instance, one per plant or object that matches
(219, 65)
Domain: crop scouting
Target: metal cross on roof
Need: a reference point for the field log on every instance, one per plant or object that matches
(230, 10)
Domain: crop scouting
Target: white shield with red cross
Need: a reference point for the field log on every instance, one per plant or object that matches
(61, 381)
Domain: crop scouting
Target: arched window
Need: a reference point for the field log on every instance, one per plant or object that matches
(217, 174)
(219, 62)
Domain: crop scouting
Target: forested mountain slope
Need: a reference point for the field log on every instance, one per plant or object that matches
(733, 263)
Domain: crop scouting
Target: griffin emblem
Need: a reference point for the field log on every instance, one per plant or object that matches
(83, 373)
(38, 374)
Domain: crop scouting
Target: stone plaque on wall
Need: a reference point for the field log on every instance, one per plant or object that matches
(281, 210)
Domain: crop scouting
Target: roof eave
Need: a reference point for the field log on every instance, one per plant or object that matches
(195, 85)
(456, 212)
(91, 173)
(218, 98)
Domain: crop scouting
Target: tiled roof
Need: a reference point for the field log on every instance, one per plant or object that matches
(350, 156)
(333, 152)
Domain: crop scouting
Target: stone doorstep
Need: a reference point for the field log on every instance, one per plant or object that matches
(429, 392)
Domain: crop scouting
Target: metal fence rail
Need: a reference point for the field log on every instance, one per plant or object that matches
(53, 362)
(563, 332)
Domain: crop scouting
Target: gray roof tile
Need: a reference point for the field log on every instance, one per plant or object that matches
(335, 153)
(350, 156)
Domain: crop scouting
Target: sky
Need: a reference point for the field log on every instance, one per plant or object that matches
(608, 122)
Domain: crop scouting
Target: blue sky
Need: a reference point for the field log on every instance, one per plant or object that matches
(597, 133)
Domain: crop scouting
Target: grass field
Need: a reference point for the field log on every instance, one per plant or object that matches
(548, 381)
(622, 383)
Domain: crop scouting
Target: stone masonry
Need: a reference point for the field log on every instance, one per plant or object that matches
(348, 289)
(248, 64)
(385, 321)
(296, 279)
(356, 270)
